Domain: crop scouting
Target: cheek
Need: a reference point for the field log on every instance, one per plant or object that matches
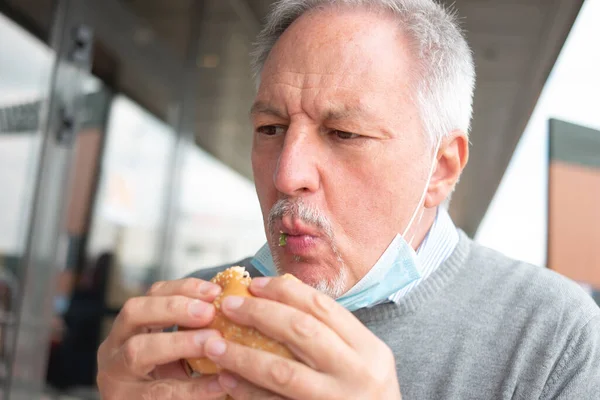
(366, 214)
(367, 204)
(373, 197)
(263, 171)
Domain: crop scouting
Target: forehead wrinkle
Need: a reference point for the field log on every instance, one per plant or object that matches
(303, 86)
(328, 110)
(322, 102)
(308, 79)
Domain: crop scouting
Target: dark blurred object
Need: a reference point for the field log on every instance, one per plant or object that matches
(8, 298)
(72, 361)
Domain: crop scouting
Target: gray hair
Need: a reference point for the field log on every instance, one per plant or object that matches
(445, 74)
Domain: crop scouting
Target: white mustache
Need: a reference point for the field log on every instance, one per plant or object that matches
(311, 215)
(298, 209)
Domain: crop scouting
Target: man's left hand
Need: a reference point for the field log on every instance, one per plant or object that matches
(339, 357)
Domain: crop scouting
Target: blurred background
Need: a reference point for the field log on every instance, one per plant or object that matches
(124, 158)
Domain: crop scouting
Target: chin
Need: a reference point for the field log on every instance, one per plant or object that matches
(329, 279)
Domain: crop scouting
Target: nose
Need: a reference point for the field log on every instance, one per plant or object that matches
(297, 170)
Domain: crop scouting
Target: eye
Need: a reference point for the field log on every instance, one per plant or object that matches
(270, 130)
(345, 135)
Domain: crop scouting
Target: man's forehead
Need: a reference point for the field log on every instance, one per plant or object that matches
(296, 75)
(339, 49)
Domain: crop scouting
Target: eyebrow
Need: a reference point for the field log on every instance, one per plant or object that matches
(260, 107)
(344, 112)
(335, 114)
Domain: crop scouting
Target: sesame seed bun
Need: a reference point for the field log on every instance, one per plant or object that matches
(235, 282)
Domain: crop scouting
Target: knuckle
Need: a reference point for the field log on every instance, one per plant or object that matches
(282, 286)
(130, 352)
(281, 372)
(101, 379)
(155, 288)
(103, 354)
(159, 390)
(386, 355)
(173, 305)
(304, 325)
(381, 367)
(129, 310)
(320, 304)
(191, 285)
(180, 340)
(207, 316)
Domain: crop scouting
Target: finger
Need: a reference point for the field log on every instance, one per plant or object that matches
(138, 313)
(197, 388)
(285, 377)
(172, 370)
(189, 287)
(310, 339)
(241, 389)
(311, 301)
(141, 354)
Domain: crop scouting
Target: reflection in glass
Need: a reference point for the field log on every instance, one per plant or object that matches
(132, 192)
(219, 217)
(25, 70)
(224, 86)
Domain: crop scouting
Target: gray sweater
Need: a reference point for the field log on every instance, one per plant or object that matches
(483, 326)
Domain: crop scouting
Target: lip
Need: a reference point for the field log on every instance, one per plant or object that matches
(296, 227)
(300, 245)
(301, 238)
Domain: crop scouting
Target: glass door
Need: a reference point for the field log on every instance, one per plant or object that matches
(40, 86)
(104, 186)
(26, 65)
(120, 181)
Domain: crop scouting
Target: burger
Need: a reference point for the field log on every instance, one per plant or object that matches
(235, 281)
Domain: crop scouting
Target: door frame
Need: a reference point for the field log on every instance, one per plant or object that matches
(76, 24)
(59, 120)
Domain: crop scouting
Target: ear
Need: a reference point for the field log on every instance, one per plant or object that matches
(452, 158)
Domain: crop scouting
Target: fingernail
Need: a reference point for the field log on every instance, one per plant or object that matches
(228, 381)
(233, 302)
(198, 308)
(208, 288)
(215, 348)
(260, 282)
(214, 386)
(201, 337)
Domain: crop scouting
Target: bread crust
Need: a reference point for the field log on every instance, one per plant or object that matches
(235, 281)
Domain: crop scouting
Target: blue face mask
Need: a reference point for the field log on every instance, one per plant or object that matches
(396, 268)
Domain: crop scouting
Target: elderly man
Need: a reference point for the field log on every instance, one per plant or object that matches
(360, 135)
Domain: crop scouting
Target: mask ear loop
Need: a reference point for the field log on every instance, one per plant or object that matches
(422, 199)
(410, 242)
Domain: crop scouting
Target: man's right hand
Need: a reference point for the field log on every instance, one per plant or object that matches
(139, 361)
